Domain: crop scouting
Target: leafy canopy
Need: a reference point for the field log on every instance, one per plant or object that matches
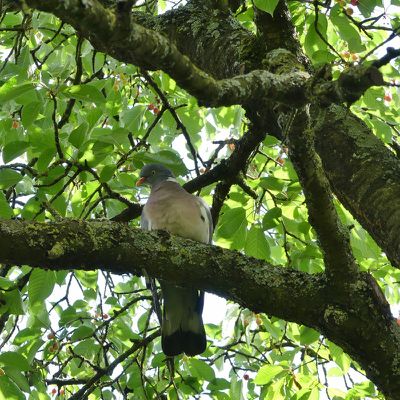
(76, 126)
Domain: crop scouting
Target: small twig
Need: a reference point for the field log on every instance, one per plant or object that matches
(320, 34)
(77, 80)
(55, 125)
(391, 53)
(179, 123)
(91, 384)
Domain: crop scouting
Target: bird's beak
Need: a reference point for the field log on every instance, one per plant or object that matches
(140, 181)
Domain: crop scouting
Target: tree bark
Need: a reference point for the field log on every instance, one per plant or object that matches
(364, 174)
(357, 318)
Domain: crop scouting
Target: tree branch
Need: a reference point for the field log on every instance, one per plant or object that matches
(364, 174)
(334, 238)
(150, 50)
(357, 318)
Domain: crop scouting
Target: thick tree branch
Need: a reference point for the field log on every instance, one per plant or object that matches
(364, 174)
(147, 48)
(120, 249)
(357, 318)
(340, 265)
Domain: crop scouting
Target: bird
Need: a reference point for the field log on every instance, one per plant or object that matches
(171, 208)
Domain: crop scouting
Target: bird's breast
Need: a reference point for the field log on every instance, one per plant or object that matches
(177, 217)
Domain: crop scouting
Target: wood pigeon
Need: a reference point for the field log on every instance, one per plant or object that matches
(170, 208)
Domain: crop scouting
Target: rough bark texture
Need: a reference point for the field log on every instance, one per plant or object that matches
(364, 174)
(357, 317)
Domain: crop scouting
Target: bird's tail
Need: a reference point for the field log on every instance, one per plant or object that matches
(182, 325)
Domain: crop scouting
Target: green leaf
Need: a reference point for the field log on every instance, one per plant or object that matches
(272, 183)
(313, 41)
(78, 135)
(13, 150)
(201, 370)
(347, 31)
(308, 335)
(339, 357)
(271, 218)
(82, 332)
(27, 334)
(267, 373)
(102, 149)
(85, 92)
(87, 278)
(30, 113)
(367, 7)
(9, 390)
(6, 211)
(169, 158)
(107, 172)
(127, 179)
(87, 348)
(236, 389)
(266, 5)
(8, 178)
(231, 221)
(13, 302)
(14, 359)
(5, 283)
(133, 118)
(16, 375)
(256, 244)
(11, 90)
(218, 384)
(41, 285)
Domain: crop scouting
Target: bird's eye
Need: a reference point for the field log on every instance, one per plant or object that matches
(153, 172)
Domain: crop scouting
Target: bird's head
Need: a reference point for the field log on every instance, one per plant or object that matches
(151, 174)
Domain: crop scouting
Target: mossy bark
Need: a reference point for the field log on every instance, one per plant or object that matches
(357, 318)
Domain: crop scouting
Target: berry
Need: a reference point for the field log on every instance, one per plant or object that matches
(345, 54)
(15, 124)
(51, 336)
(53, 391)
(54, 347)
(62, 392)
(349, 11)
(388, 97)
(156, 110)
(280, 160)
(246, 377)
(105, 316)
(151, 106)
(355, 3)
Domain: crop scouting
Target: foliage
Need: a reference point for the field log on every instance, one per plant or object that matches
(76, 127)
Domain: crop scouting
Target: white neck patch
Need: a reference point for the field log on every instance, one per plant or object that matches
(170, 179)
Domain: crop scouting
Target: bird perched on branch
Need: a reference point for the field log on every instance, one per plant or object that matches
(170, 208)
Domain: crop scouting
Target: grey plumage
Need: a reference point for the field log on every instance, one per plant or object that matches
(169, 207)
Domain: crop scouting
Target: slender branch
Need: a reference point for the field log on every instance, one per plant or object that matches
(55, 125)
(179, 123)
(91, 383)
